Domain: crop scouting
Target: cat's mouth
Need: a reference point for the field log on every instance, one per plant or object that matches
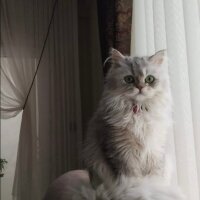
(140, 96)
(140, 92)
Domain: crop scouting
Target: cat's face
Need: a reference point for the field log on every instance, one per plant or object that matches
(137, 78)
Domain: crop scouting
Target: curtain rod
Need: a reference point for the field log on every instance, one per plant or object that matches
(40, 58)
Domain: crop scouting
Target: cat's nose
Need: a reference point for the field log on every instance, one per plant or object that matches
(140, 87)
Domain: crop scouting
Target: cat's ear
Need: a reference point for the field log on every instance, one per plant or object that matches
(116, 56)
(158, 58)
(114, 60)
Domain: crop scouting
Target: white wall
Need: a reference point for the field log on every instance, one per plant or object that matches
(10, 129)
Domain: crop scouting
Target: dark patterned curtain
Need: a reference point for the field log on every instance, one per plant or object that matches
(115, 18)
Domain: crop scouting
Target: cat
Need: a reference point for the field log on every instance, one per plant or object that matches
(125, 147)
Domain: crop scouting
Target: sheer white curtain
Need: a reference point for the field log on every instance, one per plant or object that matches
(17, 62)
(57, 108)
(23, 29)
(51, 124)
(175, 25)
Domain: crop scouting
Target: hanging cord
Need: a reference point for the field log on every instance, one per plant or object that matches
(40, 58)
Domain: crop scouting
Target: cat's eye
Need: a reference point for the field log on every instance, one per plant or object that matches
(149, 79)
(129, 79)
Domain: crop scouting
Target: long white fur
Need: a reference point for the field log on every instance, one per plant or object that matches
(156, 123)
(146, 189)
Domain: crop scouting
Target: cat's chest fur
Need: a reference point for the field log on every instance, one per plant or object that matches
(149, 132)
(140, 143)
(149, 128)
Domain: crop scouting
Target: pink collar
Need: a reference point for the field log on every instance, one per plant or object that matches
(138, 108)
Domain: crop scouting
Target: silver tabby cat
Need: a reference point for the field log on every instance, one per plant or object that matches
(125, 146)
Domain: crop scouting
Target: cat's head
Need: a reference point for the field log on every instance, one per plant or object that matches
(137, 78)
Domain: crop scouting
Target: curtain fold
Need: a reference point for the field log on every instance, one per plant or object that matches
(65, 91)
(114, 19)
(14, 82)
(91, 73)
(22, 39)
(174, 25)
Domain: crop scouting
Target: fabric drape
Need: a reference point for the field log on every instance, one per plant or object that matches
(91, 72)
(22, 37)
(65, 91)
(115, 19)
(175, 25)
(20, 49)
(52, 145)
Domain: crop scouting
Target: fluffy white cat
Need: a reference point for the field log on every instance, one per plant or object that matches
(125, 150)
